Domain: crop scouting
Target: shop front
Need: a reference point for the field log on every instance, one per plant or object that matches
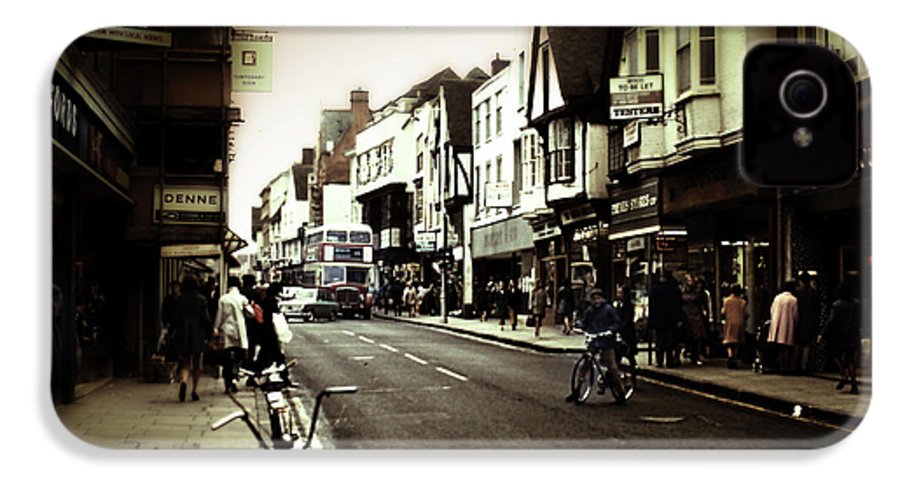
(732, 230)
(644, 243)
(93, 146)
(504, 251)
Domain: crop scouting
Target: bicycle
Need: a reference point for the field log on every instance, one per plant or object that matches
(591, 369)
(284, 425)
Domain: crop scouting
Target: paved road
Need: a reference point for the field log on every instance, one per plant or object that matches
(424, 388)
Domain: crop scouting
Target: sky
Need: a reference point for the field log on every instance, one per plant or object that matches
(315, 68)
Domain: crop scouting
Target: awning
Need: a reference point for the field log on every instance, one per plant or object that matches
(232, 242)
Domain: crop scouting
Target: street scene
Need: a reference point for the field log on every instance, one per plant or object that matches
(516, 238)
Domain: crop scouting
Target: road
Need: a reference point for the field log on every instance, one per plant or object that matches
(421, 387)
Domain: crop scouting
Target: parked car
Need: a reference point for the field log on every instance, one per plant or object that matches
(308, 304)
(353, 303)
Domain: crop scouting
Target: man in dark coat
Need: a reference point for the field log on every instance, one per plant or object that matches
(600, 318)
(807, 321)
(665, 316)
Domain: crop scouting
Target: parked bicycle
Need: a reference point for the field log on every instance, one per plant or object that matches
(591, 370)
(275, 386)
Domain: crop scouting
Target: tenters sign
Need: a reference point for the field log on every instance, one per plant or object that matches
(638, 97)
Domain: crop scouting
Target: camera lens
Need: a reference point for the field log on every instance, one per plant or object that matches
(803, 94)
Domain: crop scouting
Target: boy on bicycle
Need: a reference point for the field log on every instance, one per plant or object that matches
(600, 318)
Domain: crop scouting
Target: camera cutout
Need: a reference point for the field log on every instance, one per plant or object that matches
(800, 117)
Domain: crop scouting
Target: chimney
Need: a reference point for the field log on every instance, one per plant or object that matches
(498, 64)
(359, 108)
(308, 156)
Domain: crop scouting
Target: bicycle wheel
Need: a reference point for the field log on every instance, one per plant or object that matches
(583, 375)
(628, 377)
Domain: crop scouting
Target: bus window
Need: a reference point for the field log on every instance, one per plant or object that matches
(314, 238)
(332, 274)
(358, 275)
(308, 278)
(336, 236)
(360, 237)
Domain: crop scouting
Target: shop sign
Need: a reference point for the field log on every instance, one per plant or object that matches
(153, 38)
(668, 243)
(637, 244)
(636, 203)
(504, 237)
(251, 69)
(190, 250)
(426, 242)
(631, 134)
(586, 234)
(188, 204)
(498, 194)
(637, 97)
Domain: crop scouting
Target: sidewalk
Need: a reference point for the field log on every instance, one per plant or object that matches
(128, 413)
(814, 393)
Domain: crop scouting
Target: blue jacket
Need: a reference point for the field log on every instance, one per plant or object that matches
(599, 319)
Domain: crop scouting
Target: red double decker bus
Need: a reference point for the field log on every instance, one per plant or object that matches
(339, 257)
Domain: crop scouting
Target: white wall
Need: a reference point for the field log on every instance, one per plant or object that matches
(337, 198)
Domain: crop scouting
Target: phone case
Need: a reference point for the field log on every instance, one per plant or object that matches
(447, 238)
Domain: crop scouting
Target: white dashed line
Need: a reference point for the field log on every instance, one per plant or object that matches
(389, 348)
(415, 359)
(349, 333)
(362, 358)
(452, 374)
(366, 339)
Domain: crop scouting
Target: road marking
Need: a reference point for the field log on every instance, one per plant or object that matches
(349, 333)
(362, 358)
(389, 348)
(452, 374)
(415, 359)
(366, 339)
(745, 405)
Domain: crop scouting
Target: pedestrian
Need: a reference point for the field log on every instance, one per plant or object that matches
(624, 305)
(842, 337)
(665, 318)
(539, 304)
(230, 325)
(269, 347)
(695, 332)
(501, 304)
(514, 302)
(783, 324)
(565, 306)
(397, 297)
(481, 301)
(192, 329)
(734, 311)
(807, 321)
(409, 298)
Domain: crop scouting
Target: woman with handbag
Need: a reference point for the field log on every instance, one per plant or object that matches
(192, 329)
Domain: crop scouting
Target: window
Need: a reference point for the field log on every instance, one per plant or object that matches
(358, 275)
(517, 171)
(631, 52)
(522, 71)
(651, 38)
(477, 188)
(332, 274)
(785, 34)
(499, 117)
(336, 236)
(476, 114)
(487, 120)
(545, 77)
(313, 239)
(499, 168)
(420, 201)
(420, 156)
(809, 34)
(562, 155)
(360, 237)
(707, 55)
(683, 58)
(616, 149)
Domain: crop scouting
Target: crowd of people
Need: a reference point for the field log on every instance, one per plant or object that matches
(237, 328)
(682, 319)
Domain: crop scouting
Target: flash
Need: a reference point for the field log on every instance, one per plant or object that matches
(803, 137)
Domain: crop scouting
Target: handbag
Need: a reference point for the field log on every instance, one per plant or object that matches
(282, 330)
